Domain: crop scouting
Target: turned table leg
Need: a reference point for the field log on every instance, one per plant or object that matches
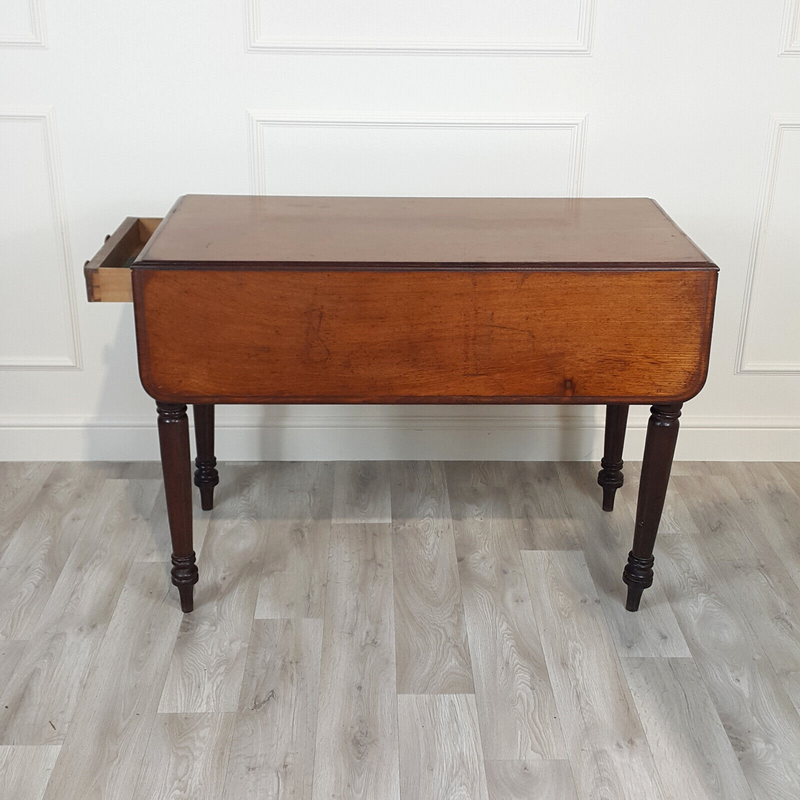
(206, 476)
(659, 448)
(610, 476)
(176, 464)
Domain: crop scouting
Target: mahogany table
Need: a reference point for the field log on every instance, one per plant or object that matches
(413, 300)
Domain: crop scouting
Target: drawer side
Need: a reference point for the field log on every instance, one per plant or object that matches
(108, 274)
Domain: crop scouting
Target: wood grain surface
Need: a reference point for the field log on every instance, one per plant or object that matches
(25, 771)
(314, 698)
(606, 539)
(207, 665)
(20, 484)
(273, 747)
(791, 473)
(10, 653)
(40, 700)
(432, 651)
(758, 716)
(125, 682)
(524, 780)
(539, 511)
(440, 747)
(514, 698)
(43, 542)
(605, 741)
(689, 743)
(204, 229)
(403, 336)
(357, 724)
(361, 492)
(297, 542)
(772, 508)
(186, 756)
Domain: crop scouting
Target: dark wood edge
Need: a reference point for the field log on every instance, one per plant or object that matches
(427, 266)
(164, 397)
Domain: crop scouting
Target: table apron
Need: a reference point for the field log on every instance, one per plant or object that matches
(403, 336)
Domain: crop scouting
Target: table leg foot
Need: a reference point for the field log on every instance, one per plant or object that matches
(638, 575)
(609, 493)
(206, 476)
(610, 476)
(659, 449)
(185, 576)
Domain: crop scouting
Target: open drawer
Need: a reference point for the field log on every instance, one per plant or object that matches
(108, 274)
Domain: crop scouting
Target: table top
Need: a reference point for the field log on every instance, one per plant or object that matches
(230, 231)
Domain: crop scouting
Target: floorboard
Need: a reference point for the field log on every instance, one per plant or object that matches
(186, 757)
(42, 695)
(25, 771)
(399, 631)
(113, 721)
(514, 696)
(207, 666)
(605, 741)
(430, 632)
(693, 754)
(440, 751)
(274, 734)
(524, 780)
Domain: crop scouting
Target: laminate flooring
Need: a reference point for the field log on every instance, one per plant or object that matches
(399, 631)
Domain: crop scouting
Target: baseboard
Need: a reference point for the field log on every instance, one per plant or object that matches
(388, 433)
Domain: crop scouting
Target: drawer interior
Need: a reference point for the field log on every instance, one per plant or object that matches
(108, 274)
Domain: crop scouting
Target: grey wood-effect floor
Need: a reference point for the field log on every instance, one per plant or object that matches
(399, 631)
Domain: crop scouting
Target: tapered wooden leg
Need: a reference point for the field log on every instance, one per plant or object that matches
(659, 448)
(176, 464)
(610, 476)
(206, 476)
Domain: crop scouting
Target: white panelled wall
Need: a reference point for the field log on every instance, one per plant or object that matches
(116, 109)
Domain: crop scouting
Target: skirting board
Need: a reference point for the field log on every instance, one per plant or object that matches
(391, 436)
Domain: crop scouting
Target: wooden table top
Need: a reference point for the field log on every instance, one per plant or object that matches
(229, 231)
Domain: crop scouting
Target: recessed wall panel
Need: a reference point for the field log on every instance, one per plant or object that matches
(21, 22)
(525, 26)
(36, 307)
(790, 35)
(771, 343)
(421, 157)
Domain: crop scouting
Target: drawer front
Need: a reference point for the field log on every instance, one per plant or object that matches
(108, 274)
(401, 336)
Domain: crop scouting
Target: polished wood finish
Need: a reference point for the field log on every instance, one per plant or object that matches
(401, 336)
(659, 448)
(201, 231)
(415, 300)
(610, 476)
(206, 476)
(173, 435)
